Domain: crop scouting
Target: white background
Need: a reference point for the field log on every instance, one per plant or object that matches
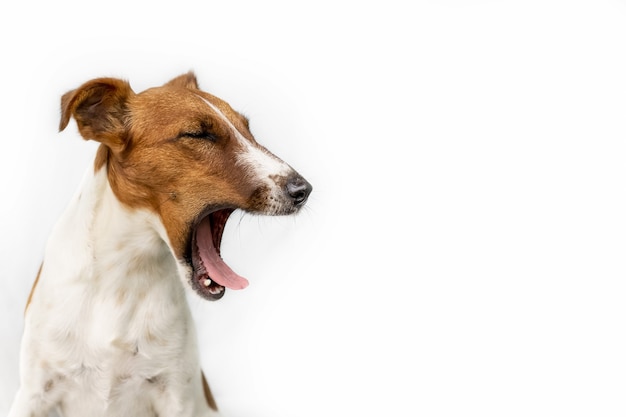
(462, 253)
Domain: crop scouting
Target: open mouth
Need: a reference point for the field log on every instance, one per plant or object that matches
(211, 275)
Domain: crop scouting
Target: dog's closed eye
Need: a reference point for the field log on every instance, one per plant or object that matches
(204, 130)
(202, 134)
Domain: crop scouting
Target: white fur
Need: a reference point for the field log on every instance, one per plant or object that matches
(108, 331)
(261, 162)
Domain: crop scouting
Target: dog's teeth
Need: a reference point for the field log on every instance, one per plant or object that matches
(207, 282)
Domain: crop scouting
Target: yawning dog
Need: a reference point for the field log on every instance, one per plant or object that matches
(108, 331)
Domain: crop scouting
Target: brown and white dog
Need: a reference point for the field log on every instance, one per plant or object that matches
(108, 331)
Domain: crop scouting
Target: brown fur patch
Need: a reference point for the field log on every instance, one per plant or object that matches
(32, 290)
(48, 385)
(120, 296)
(207, 394)
(165, 149)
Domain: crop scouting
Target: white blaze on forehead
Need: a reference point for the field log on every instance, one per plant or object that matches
(262, 162)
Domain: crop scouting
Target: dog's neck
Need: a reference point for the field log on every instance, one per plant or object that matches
(120, 280)
(130, 254)
(129, 243)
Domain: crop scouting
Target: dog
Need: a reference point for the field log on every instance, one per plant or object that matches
(108, 330)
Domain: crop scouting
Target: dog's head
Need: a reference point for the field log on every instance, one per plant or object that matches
(190, 158)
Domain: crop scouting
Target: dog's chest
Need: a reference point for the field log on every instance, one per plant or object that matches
(112, 336)
(141, 311)
(114, 345)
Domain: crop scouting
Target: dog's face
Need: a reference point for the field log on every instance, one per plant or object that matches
(190, 158)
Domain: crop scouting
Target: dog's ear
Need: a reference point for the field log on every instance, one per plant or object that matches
(186, 81)
(99, 108)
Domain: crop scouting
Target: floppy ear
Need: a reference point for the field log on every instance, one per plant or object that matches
(99, 107)
(186, 81)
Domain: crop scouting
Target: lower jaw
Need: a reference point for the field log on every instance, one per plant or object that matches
(209, 289)
(211, 292)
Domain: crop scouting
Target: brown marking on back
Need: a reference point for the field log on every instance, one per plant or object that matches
(32, 290)
(207, 393)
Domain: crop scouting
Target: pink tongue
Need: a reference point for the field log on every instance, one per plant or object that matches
(217, 269)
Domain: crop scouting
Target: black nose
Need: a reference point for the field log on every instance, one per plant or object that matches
(298, 189)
